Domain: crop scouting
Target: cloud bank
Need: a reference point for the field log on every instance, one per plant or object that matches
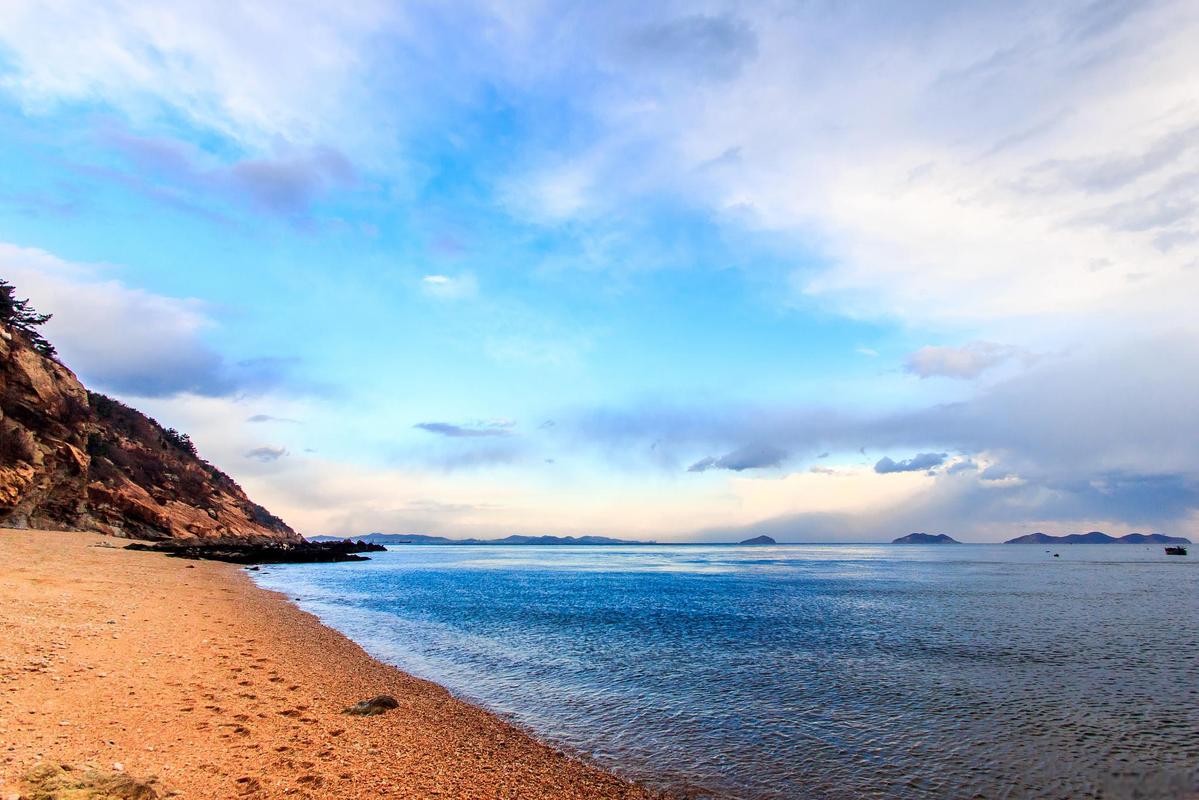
(130, 341)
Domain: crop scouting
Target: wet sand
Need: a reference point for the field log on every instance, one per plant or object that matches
(188, 672)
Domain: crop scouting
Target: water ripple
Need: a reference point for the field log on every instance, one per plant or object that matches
(814, 671)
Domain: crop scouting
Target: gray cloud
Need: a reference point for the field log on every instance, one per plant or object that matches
(464, 446)
(1171, 207)
(743, 458)
(287, 184)
(917, 463)
(972, 509)
(270, 418)
(461, 431)
(995, 472)
(1105, 431)
(193, 368)
(1117, 170)
(715, 47)
(266, 454)
(965, 362)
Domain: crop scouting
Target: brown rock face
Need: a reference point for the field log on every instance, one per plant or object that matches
(71, 459)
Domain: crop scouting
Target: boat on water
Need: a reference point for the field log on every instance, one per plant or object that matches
(1176, 551)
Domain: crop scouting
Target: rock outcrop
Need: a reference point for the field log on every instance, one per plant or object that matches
(1098, 537)
(925, 538)
(71, 459)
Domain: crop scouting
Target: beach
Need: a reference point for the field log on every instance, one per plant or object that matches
(185, 671)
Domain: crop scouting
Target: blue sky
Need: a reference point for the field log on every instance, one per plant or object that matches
(678, 272)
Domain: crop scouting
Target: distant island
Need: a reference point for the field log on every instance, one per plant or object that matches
(416, 538)
(1098, 537)
(759, 540)
(925, 538)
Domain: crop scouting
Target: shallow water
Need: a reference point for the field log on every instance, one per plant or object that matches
(821, 671)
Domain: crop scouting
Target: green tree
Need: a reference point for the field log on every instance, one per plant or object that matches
(20, 315)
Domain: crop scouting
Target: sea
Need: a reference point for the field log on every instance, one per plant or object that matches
(806, 671)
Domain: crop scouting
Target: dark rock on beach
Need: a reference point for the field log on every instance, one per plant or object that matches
(52, 781)
(266, 553)
(414, 538)
(373, 707)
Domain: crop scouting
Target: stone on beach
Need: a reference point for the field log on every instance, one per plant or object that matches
(373, 707)
(54, 782)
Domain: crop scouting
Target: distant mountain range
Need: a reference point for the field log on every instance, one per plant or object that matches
(926, 538)
(416, 538)
(759, 540)
(1098, 537)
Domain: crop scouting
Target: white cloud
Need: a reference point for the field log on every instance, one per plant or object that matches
(256, 73)
(124, 340)
(964, 167)
(917, 173)
(940, 158)
(554, 193)
(447, 287)
(965, 362)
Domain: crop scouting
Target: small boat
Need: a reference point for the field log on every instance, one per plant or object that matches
(1176, 551)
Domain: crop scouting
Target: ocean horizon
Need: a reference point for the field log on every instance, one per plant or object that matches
(804, 670)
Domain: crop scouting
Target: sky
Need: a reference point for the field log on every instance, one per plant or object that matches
(674, 271)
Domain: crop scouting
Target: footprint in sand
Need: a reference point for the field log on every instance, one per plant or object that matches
(248, 785)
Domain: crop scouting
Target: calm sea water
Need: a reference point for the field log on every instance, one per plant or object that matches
(828, 671)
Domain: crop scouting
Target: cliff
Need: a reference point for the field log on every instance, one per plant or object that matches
(71, 459)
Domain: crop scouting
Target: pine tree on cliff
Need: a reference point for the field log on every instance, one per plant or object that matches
(20, 315)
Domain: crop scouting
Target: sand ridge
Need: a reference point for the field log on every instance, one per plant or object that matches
(189, 672)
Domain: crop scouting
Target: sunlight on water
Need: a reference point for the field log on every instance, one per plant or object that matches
(822, 671)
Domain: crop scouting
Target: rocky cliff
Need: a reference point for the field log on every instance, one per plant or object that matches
(71, 459)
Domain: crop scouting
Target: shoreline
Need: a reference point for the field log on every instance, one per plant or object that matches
(190, 672)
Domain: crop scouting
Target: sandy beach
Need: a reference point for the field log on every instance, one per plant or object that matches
(143, 665)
